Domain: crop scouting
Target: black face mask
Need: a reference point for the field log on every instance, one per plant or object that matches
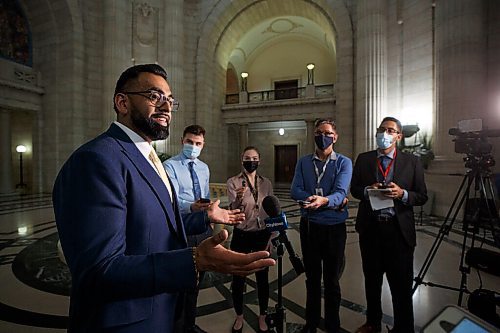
(323, 142)
(250, 166)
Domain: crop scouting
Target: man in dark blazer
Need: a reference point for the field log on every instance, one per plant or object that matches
(387, 237)
(119, 223)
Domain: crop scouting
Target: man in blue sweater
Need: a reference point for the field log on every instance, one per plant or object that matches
(321, 184)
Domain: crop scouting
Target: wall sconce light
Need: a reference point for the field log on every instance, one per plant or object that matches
(244, 76)
(281, 131)
(21, 149)
(22, 231)
(310, 73)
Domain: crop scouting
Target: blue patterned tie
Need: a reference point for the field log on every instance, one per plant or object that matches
(385, 160)
(196, 182)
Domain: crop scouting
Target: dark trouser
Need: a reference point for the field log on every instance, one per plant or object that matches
(384, 250)
(186, 307)
(323, 251)
(246, 242)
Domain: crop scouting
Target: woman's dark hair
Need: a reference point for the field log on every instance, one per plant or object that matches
(250, 148)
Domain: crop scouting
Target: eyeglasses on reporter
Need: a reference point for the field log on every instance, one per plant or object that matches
(389, 130)
(156, 98)
(326, 133)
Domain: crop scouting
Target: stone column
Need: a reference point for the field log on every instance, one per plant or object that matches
(371, 73)
(37, 151)
(310, 145)
(461, 68)
(243, 136)
(117, 52)
(461, 76)
(6, 183)
(171, 32)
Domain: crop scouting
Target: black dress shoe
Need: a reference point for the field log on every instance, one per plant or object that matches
(196, 329)
(262, 331)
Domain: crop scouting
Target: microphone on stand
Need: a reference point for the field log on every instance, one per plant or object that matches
(277, 222)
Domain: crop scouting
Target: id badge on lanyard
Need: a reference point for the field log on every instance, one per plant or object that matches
(318, 189)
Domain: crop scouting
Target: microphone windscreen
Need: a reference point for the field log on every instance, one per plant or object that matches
(271, 206)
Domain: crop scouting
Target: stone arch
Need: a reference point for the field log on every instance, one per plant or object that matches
(228, 20)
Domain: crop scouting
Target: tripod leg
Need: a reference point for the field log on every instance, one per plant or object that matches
(445, 228)
(489, 199)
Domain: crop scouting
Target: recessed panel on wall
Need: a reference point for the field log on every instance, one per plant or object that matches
(145, 23)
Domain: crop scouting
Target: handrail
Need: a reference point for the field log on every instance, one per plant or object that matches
(280, 94)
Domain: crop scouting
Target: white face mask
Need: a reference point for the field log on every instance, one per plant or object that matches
(191, 151)
(384, 140)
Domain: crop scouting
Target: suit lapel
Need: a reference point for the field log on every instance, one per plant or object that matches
(150, 176)
(374, 166)
(178, 216)
(397, 170)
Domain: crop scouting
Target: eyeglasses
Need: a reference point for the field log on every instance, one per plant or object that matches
(388, 130)
(156, 98)
(324, 133)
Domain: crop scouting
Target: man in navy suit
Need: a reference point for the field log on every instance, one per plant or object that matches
(119, 223)
(387, 236)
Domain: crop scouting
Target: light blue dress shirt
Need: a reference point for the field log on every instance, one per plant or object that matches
(177, 168)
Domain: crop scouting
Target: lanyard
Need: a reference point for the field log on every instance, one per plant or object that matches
(318, 175)
(386, 172)
(254, 191)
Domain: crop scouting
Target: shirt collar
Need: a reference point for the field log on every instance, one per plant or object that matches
(242, 176)
(333, 156)
(185, 160)
(390, 155)
(141, 144)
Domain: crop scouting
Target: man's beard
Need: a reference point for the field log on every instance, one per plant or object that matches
(149, 127)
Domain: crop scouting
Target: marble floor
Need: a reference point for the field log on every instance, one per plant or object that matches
(34, 282)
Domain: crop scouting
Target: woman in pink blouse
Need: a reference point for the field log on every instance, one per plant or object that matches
(246, 191)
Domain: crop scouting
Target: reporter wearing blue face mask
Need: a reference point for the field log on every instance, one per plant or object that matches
(190, 177)
(387, 237)
(321, 184)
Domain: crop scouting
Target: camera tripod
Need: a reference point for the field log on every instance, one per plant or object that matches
(479, 174)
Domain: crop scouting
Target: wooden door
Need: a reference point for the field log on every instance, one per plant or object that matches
(285, 159)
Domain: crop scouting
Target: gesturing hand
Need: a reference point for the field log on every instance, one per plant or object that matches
(212, 256)
(224, 216)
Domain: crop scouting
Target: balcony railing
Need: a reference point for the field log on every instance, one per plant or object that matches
(281, 94)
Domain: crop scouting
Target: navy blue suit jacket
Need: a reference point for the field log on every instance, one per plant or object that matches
(124, 241)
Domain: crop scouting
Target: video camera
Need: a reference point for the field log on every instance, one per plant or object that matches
(471, 138)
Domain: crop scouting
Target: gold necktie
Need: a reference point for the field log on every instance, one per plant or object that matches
(161, 171)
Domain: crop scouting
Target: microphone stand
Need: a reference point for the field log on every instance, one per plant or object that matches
(278, 319)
